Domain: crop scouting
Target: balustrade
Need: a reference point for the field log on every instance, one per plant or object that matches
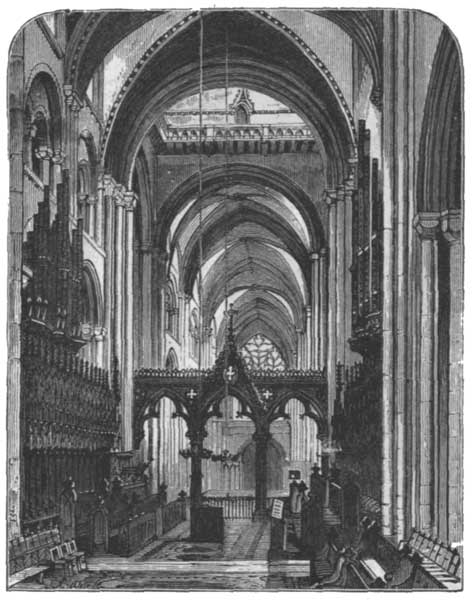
(134, 534)
(173, 514)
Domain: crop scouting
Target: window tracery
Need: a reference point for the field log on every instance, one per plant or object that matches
(261, 353)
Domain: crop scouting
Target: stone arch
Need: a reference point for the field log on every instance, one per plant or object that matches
(88, 139)
(255, 72)
(313, 407)
(43, 115)
(440, 175)
(276, 456)
(91, 295)
(241, 173)
(172, 362)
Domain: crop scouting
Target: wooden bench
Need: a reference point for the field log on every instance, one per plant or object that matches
(440, 561)
(29, 555)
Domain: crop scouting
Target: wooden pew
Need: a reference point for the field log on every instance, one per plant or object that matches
(29, 555)
(439, 561)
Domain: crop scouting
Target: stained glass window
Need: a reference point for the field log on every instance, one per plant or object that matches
(260, 353)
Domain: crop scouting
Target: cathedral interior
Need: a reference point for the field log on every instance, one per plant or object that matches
(235, 289)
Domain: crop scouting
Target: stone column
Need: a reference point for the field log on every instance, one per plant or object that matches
(154, 470)
(299, 334)
(348, 203)
(127, 362)
(315, 331)
(45, 154)
(340, 275)
(92, 203)
(261, 438)
(146, 291)
(196, 438)
(332, 309)
(309, 334)
(389, 156)
(99, 337)
(99, 224)
(119, 244)
(15, 247)
(427, 226)
(57, 161)
(323, 311)
(73, 106)
(107, 185)
(451, 224)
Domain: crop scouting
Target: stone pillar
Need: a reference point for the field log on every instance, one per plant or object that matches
(73, 106)
(261, 438)
(127, 362)
(154, 470)
(146, 292)
(323, 311)
(389, 156)
(99, 337)
(309, 334)
(45, 154)
(348, 203)
(340, 275)
(196, 438)
(57, 161)
(427, 226)
(107, 186)
(451, 228)
(15, 247)
(92, 203)
(99, 223)
(332, 309)
(299, 334)
(315, 331)
(119, 245)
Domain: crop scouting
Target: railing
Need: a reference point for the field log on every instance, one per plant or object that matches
(236, 507)
(173, 514)
(237, 132)
(133, 535)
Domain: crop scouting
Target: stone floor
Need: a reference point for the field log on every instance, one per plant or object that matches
(172, 562)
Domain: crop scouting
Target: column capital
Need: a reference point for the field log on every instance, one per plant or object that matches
(72, 99)
(330, 197)
(100, 333)
(118, 196)
(341, 191)
(427, 225)
(451, 225)
(87, 199)
(130, 200)
(58, 156)
(109, 186)
(323, 252)
(44, 153)
(308, 310)
(314, 256)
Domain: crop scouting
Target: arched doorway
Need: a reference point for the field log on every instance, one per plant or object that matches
(275, 466)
